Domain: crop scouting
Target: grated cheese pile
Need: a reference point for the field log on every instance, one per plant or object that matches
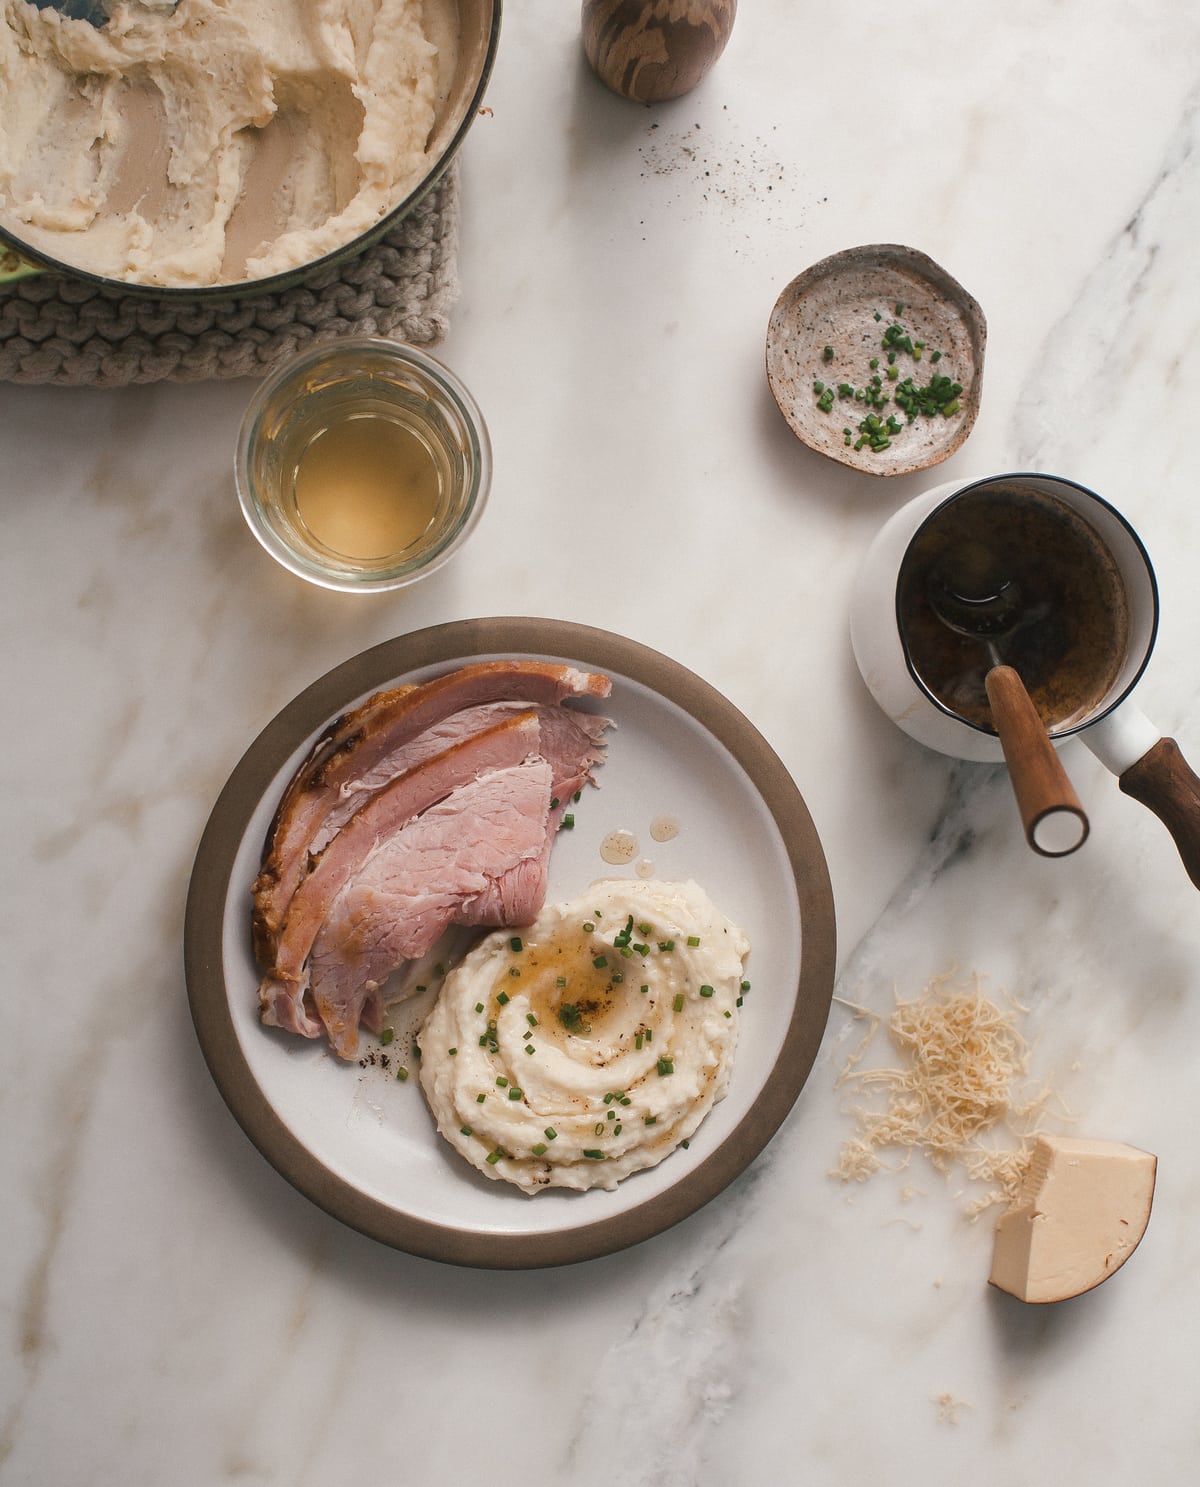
(964, 1075)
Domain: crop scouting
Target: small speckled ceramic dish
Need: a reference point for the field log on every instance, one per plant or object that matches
(834, 327)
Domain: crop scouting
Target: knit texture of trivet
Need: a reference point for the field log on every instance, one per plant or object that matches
(63, 331)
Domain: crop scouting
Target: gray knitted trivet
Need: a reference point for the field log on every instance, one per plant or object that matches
(55, 329)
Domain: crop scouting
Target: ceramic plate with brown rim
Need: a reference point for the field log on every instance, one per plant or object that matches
(361, 1144)
(894, 306)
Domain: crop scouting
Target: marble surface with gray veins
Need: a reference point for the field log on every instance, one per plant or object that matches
(167, 1297)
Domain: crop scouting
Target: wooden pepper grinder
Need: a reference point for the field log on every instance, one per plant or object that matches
(652, 50)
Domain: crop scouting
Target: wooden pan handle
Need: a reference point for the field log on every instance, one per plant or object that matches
(1054, 820)
(1162, 780)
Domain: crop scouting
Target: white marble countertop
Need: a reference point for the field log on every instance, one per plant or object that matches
(173, 1310)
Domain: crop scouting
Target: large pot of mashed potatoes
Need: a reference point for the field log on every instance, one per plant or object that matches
(591, 1044)
(208, 144)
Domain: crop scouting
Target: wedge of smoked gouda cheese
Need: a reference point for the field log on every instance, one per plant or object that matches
(1081, 1210)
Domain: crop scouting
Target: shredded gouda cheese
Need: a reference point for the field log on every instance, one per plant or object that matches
(964, 1076)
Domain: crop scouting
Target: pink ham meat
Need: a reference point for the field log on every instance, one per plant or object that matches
(447, 818)
(479, 857)
(355, 745)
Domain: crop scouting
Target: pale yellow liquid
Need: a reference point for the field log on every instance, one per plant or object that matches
(367, 488)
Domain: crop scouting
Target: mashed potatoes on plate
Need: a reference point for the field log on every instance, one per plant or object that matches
(590, 1044)
(205, 142)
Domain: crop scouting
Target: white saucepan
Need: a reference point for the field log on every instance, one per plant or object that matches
(1149, 767)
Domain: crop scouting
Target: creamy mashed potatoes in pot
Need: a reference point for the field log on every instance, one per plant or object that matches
(590, 1044)
(214, 141)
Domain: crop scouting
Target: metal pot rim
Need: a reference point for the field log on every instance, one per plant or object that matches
(31, 262)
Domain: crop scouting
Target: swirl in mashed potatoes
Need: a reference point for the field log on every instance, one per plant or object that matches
(590, 1044)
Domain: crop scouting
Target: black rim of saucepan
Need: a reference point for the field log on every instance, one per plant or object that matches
(288, 278)
(1033, 475)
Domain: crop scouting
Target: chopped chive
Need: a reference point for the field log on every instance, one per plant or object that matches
(550, 1133)
(568, 821)
(386, 1036)
(504, 998)
(678, 1002)
(666, 945)
(514, 970)
(515, 943)
(539, 1150)
(706, 991)
(693, 940)
(401, 1074)
(651, 1120)
(561, 981)
(572, 1019)
(600, 962)
(500, 1081)
(594, 1156)
(531, 1019)
(479, 1006)
(588, 927)
(451, 1051)
(466, 1131)
(617, 1129)
(479, 1099)
(665, 1066)
(494, 1156)
(515, 1093)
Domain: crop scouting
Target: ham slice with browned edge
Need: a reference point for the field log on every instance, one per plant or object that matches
(422, 812)
(354, 746)
(478, 857)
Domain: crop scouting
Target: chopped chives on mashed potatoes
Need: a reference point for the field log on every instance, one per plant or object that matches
(590, 1044)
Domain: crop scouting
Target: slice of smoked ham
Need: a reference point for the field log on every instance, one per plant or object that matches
(444, 817)
(281, 991)
(479, 857)
(354, 746)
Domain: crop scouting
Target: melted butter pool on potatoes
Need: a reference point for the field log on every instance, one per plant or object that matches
(591, 1044)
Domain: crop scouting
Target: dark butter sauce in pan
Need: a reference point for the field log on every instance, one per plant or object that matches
(1072, 629)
